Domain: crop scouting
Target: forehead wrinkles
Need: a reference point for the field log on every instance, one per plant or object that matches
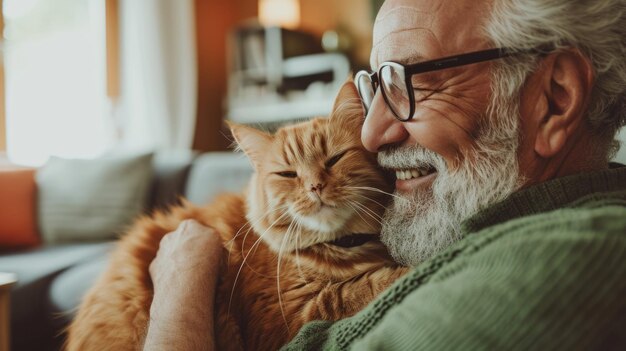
(406, 48)
(401, 28)
(400, 19)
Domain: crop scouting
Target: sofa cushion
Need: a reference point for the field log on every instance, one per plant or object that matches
(215, 173)
(171, 169)
(91, 200)
(35, 269)
(69, 288)
(18, 226)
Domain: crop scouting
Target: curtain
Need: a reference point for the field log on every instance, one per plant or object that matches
(157, 104)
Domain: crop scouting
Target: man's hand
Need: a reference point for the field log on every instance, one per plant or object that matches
(184, 274)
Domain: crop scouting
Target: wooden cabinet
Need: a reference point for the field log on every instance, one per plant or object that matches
(6, 281)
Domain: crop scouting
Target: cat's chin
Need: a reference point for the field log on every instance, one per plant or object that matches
(325, 226)
(327, 220)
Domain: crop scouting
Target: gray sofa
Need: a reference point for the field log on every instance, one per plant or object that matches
(53, 279)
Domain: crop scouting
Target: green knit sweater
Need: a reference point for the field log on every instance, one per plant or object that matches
(545, 269)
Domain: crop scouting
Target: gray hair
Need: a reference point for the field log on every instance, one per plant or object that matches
(596, 27)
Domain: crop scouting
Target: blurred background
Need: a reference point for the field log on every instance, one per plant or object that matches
(84, 77)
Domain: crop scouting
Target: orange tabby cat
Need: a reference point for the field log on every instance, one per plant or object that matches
(300, 244)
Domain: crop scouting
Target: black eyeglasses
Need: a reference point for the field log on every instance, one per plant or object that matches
(395, 80)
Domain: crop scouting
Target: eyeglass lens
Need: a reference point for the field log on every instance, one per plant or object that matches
(393, 83)
(366, 90)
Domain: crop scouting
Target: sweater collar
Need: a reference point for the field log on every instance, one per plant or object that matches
(548, 196)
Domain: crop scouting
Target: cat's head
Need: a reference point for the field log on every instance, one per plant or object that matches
(314, 182)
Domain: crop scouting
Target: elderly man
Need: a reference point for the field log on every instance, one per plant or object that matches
(499, 117)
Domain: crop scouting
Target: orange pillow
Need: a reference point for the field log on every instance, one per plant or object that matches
(18, 191)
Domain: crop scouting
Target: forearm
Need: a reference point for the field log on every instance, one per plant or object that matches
(181, 323)
(184, 276)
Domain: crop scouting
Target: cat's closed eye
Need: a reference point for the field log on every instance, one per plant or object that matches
(333, 160)
(287, 174)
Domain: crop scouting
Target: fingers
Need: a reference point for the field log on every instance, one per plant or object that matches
(193, 226)
(152, 268)
(190, 239)
(186, 229)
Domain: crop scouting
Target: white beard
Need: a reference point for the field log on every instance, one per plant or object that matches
(421, 224)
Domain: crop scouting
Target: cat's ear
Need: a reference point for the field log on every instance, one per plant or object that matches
(253, 142)
(348, 108)
(348, 94)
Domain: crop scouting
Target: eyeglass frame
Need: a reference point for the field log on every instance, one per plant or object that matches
(429, 66)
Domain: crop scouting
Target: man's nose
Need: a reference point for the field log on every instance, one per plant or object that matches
(381, 126)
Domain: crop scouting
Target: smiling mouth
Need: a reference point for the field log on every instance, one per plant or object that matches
(354, 240)
(415, 173)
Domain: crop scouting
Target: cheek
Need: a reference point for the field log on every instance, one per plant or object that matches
(449, 121)
(358, 172)
(279, 193)
(285, 192)
(447, 132)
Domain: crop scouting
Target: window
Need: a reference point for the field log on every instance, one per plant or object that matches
(55, 74)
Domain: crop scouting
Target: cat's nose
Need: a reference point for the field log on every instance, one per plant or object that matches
(317, 188)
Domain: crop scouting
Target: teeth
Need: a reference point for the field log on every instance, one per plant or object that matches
(412, 173)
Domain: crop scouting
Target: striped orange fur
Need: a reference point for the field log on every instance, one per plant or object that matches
(314, 183)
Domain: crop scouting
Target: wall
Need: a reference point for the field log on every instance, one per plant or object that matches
(354, 16)
(213, 22)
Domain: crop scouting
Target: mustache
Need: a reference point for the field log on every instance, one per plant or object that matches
(409, 157)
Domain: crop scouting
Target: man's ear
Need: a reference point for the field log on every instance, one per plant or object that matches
(253, 142)
(567, 84)
(348, 108)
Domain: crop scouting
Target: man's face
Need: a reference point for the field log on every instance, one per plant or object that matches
(447, 136)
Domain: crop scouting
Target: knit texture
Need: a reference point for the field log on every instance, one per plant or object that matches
(543, 269)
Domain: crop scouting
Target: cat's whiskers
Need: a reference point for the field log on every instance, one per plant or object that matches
(367, 211)
(256, 243)
(232, 241)
(250, 228)
(258, 220)
(289, 233)
(262, 217)
(379, 216)
(298, 233)
(280, 299)
(368, 198)
(356, 211)
(377, 190)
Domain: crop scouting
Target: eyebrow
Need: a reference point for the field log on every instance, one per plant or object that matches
(409, 60)
(414, 58)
